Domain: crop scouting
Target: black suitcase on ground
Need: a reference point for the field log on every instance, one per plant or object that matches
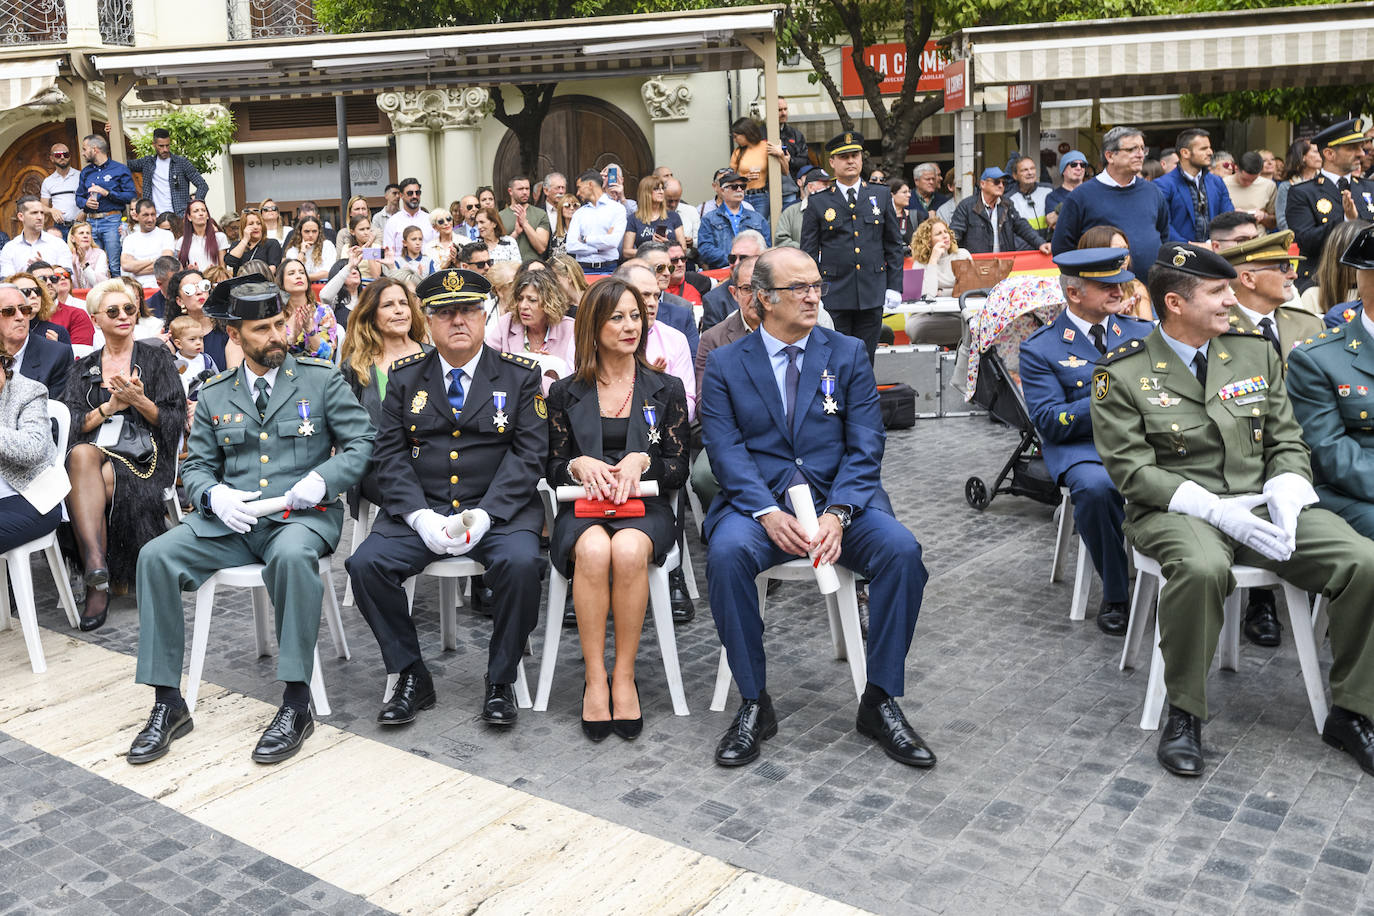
(898, 404)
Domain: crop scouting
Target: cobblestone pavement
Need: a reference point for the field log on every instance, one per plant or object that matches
(1047, 796)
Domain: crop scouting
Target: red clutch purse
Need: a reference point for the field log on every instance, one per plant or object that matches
(604, 508)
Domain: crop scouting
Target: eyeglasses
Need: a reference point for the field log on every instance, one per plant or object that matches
(1283, 267)
(1076, 165)
(731, 257)
(450, 312)
(31, 291)
(1132, 150)
(412, 193)
(443, 221)
(678, 260)
(745, 287)
(28, 311)
(733, 186)
(471, 206)
(800, 289)
(61, 155)
(272, 209)
(50, 279)
(662, 268)
(114, 311)
(61, 274)
(190, 289)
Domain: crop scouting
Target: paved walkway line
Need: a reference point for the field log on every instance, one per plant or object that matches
(406, 833)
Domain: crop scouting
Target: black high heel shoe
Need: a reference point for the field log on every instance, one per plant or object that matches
(629, 729)
(95, 621)
(601, 730)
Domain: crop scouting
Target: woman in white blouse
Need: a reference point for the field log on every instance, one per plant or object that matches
(933, 248)
(89, 263)
(203, 246)
(312, 248)
(501, 246)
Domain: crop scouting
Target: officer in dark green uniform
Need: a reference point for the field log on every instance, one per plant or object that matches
(1336, 194)
(278, 426)
(1195, 428)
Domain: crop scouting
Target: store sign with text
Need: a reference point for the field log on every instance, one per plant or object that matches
(312, 174)
(890, 63)
(1020, 100)
(956, 85)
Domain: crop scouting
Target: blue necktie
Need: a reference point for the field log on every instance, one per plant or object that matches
(455, 391)
(790, 381)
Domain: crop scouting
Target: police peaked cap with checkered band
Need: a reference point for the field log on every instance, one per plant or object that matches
(246, 298)
(452, 287)
(1195, 260)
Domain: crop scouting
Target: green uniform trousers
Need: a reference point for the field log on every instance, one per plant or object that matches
(704, 480)
(1196, 558)
(181, 560)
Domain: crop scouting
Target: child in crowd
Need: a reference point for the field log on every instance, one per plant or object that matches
(194, 364)
(412, 255)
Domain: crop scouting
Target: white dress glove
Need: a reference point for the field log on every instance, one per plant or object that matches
(466, 529)
(1287, 494)
(892, 299)
(228, 504)
(1234, 518)
(306, 493)
(430, 526)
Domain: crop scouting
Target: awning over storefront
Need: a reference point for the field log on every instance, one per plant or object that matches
(22, 81)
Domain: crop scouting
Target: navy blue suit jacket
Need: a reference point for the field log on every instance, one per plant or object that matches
(717, 305)
(754, 454)
(49, 362)
(1179, 199)
(1057, 365)
(679, 315)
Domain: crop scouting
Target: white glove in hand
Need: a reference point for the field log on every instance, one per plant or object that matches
(306, 493)
(1233, 517)
(892, 299)
(479, 523)
(429, 525)
(1287, 494)
(228, 504)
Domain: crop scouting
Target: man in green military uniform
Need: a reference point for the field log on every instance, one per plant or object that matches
(1331, 381)
(1263, 289)
(1195, 428)
(279, 426)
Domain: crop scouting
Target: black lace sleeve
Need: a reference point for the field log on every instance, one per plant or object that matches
(561, 450)
(669, 465)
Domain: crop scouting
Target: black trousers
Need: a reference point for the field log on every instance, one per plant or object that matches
(515, 571)
(21, 523)
(860, 323)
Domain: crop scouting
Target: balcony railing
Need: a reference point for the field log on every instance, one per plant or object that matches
(269, 18)
(24, 22)
(117, 22)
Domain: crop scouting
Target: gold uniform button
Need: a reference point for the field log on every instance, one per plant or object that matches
(262, 482)
(412, 427)
(1254, 411)
(457, 433)
(263, 459)
(453, 479)
(262, 436)
(453, 456)
(1364, 415)
(1080, 384)
(1174, 427)
(455, 504)
(226, 438)
(856, 251)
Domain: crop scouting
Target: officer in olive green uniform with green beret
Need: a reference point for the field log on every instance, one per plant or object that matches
(1263, 288)
(278, 426)
(1195, 428)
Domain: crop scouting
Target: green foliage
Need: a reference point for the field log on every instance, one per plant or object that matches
(194, 136)
(385, 15)
(1325, 103)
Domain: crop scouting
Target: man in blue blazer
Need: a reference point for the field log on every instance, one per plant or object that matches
(793, 404)
(1193, 195)
(1056, 378)
(35, 356)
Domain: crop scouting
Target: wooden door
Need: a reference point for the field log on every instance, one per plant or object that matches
(580, 133)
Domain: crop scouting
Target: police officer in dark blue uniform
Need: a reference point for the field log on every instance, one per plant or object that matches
(1317, 206)
(1056, 377)
(851, 231)
(463, 427)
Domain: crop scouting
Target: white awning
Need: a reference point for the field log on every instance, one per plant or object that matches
(22, 81)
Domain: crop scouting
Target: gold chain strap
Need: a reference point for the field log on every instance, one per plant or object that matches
(152, 468)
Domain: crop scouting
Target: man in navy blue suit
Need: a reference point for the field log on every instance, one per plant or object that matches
(1056, 377)
(792, 404)
(35, 357)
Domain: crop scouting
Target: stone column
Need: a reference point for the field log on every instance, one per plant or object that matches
(460, 126)
(410, 113)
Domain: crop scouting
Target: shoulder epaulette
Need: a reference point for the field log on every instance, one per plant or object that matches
(1326, 335)
(523, 361)
(314, 361)
(226, 374)
(1126, 349)
(407, 360)
(1238, 332)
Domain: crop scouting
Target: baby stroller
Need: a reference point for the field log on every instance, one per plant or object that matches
(1015, 308)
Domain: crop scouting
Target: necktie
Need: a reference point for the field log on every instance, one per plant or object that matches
(1343, 184)
(1267, 326)
(260, 386)
(853, 197)
(1099, 336)
(455, 391)
(1200, 369)
(790, 381)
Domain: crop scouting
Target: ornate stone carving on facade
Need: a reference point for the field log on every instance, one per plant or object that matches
(666, 101)
(436, 109)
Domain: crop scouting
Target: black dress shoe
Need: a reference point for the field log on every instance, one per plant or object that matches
(284, 736)
(1262, 625)
(98, 598)
(597, 730)
(1353, 733)
(414, 692)
(885, 724)
(499, 707)
(1113, 617)
(754, 722)
(167, 723)
(683, 608)
(1180, 746)
(629, 729)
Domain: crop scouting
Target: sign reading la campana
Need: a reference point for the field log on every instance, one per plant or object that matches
(890, 63)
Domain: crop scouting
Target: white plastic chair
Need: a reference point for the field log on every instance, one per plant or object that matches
(1228, 644)
(15, 562)
(362, 527)
(250, 576)
(173, 504)
(659, 606)
(1082, 577)
(846, 636)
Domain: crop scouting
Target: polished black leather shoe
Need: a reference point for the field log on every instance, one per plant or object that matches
(1180, 745)
(499, 708)
(414, 692)
(1353, 733)
(754, 723)
(683, 608)
(1262, 625)
(1113, 617)
(166, 723)
(284, 735)
(885, 724)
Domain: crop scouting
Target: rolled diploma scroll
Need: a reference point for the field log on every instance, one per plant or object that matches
(568, 494)
(805, 511)
(458, 525)
(262, 507)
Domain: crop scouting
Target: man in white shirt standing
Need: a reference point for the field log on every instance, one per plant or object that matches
(58, 192)
(597, 229)
(691, 219)
(145, 244)
(410, 214)
(555, 188)
(32, 243)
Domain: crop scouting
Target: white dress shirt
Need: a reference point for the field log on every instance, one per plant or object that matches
(597, 231)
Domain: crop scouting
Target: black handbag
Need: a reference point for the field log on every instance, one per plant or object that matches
(135, 449)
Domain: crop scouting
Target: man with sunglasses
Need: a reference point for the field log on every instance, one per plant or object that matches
(76, 321)
(462, 428)
(35, 356)
(1073, 169)
(58, 191)
(720, 226)
(410, 214)
(468, 207)
(32, 243)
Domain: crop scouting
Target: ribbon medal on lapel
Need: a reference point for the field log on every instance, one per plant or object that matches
(1343, 390)
(829, 404)
(651, 417)
(877, 211)
(1248, 386)
(499, 418)
(306, 428)
(417, 403)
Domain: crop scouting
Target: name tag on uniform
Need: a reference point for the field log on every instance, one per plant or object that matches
(1244, 386)
(1252, 399)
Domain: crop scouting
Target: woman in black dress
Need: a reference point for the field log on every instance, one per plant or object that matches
(614, 422)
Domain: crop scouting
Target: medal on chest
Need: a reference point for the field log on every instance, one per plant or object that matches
(306, 428)
(877, 211)
(499, 418)
(651, 417)
(1247, 386)
(828, 403)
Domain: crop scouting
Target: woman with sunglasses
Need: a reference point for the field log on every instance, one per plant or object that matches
(189, 290)
(89, 261)
(567, 206)
(443, 250)
(26, 450)
(128, 412)
(36, 294)
(652, 221)
(56, 282)
(253, 244)
(273, 227)
(203, 245)
(750, 159)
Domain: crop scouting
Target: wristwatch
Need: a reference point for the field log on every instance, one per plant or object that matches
(842, 513)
